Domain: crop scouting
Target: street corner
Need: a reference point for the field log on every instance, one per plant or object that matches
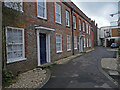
(109, 67)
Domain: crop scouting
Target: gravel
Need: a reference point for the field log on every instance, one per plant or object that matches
(29, 79)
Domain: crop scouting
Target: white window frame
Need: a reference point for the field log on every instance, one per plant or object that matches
(21, 3)
(74, 21)
(57, 13)
(75, 42)
(67, 18)
(45, 12)
(86, 28)
(79, 24)
(84, 42)
(23, 48)
(87, 43)
(83, 26)
(68, 42)
(89, 30)
(58, 42)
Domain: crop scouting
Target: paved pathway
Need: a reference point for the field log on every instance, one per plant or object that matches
(81, 72)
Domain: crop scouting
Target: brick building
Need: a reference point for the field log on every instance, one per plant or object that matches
(116, 34)
(42, 32)
(94, 26)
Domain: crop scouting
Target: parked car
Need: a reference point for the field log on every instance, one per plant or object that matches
(114, 45)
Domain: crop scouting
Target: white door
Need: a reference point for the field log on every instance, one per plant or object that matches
(80, 44)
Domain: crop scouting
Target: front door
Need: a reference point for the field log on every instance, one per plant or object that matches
(42, 48)
(81, 44)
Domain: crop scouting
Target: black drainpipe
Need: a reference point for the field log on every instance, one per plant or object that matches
(72, 32)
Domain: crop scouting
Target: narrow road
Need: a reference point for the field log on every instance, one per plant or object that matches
(81, 72)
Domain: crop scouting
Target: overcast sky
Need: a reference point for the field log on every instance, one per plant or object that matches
(99, 11)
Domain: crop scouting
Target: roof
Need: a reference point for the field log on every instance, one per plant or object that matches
(78, 11)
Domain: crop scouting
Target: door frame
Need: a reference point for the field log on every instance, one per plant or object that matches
(47, 47)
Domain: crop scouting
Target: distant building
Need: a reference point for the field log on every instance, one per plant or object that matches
(109, 35)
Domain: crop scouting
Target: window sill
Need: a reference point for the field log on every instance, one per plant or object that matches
(59, 52)
(58, 22)
(16, 60)
(42, 18)
(69, 50)
(67, 26)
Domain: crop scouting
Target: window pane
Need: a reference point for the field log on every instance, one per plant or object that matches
(19, 47)
(19, 33)
(74, 21)
(41, 9)
(57, 12)
(15, 36)
(19, 54)
(66, 21)
(75, 42)
(83, 26)
(20, 39)
(15, 54)
(15, 46)
(68, 42)
(9, 55)
(67, 18)
(9, 36)
(80, 25)
(84, 43)
(57, 17)
(41, 4)
(14, 5)
(58, 42)
(10, 48)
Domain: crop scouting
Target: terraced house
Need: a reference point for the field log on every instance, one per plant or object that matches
(42, 32)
